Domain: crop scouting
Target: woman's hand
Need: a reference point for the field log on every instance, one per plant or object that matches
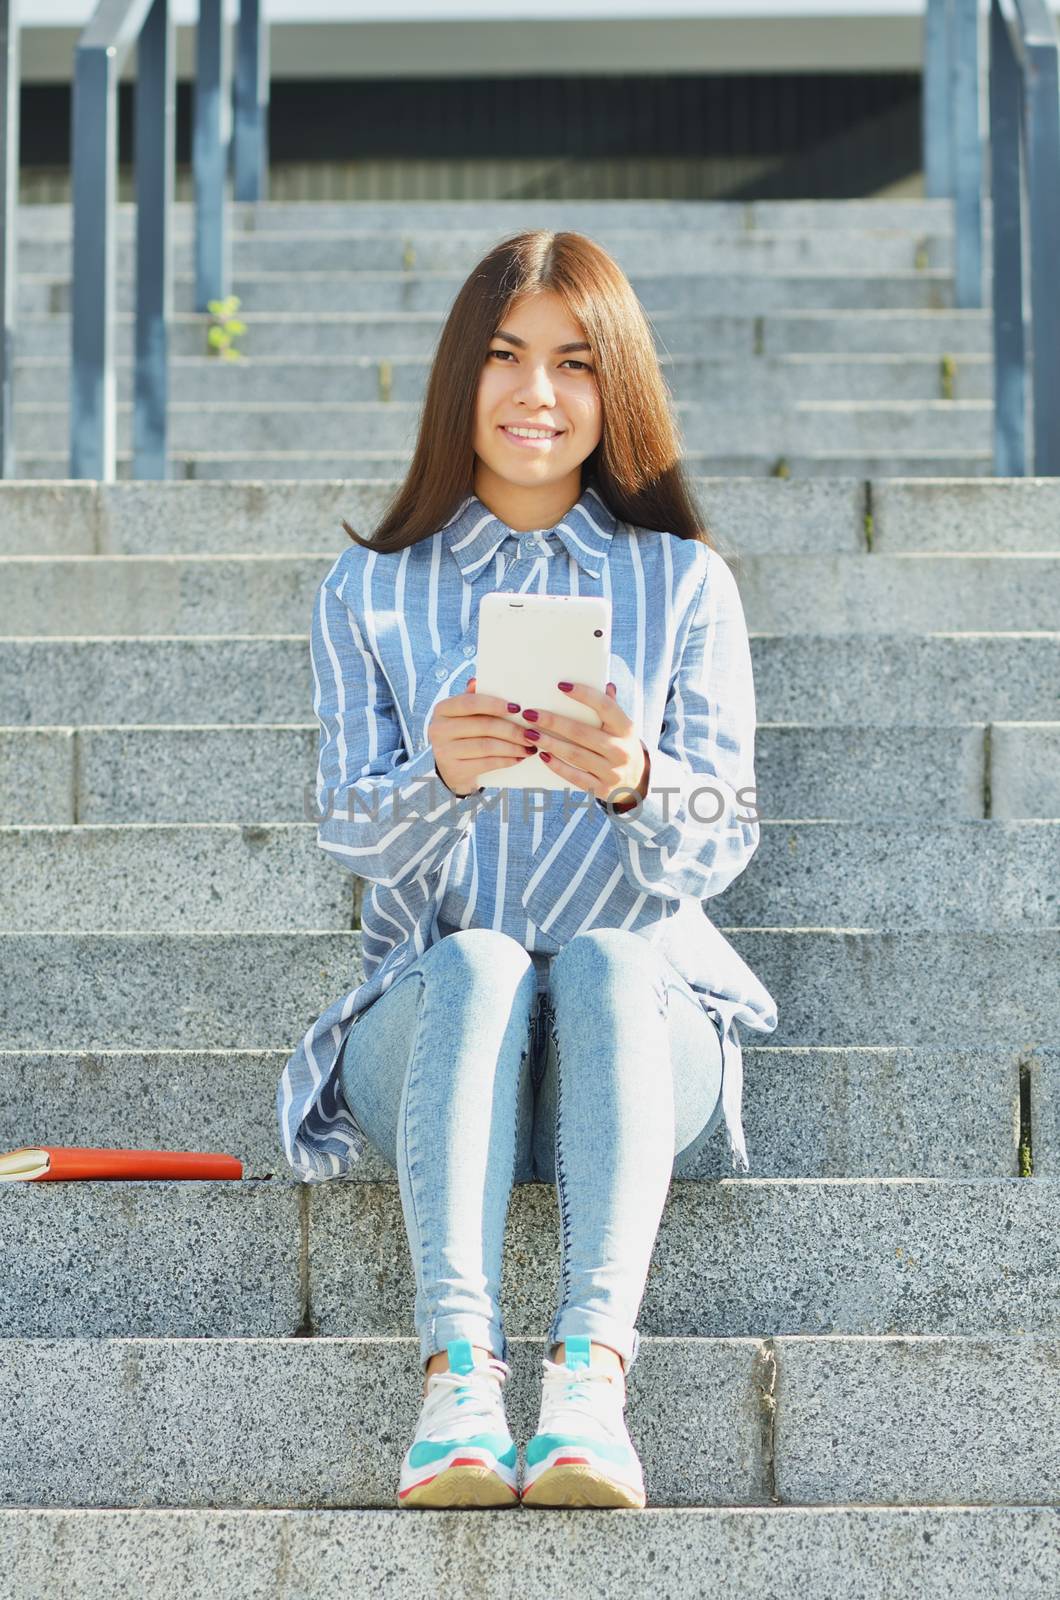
(599, 760)
(469, 739)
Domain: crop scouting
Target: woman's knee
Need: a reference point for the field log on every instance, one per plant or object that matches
(480, 959)
(599, 951)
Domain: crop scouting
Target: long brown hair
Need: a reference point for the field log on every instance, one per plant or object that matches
(635, 467)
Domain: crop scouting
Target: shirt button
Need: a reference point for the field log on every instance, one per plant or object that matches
(469, 649)
(439, 672)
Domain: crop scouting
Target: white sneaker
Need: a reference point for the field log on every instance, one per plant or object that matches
(463, 1453)
(582, 1454)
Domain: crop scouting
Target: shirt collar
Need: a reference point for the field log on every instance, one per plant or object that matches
(473, 534)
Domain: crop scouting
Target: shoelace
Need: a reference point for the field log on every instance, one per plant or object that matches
(569, 1389)
(477, 1402)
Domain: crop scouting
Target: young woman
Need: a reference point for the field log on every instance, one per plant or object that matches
(544, 997)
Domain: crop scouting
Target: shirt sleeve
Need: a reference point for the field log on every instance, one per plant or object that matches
(697, 827)
(380, 814)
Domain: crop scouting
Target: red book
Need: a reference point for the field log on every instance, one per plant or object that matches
(41, 1162)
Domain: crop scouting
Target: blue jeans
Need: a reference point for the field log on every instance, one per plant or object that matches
(466, 1080)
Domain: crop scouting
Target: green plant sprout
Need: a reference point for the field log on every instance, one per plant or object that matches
(224, 327)
(948, 372)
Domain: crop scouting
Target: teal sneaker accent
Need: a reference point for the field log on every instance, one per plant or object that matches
(424, 1451)
(461, 1360)
(577, 1351)
(542, 1444)
(461, 1355)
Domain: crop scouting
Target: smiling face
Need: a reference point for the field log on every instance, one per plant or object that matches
(530, 381)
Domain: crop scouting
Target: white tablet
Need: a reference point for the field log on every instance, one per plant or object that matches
(526, 644)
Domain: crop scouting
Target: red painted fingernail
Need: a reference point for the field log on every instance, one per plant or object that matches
(512, 706)
(531, 714)
(531, 733)
(566, 686)
(544, 755)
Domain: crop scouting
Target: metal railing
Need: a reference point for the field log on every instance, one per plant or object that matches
(953, 159)
(211, 131)
(1023, 140)
(251, 137)
(1025, 184)
(101, 51)
(104, 44)
(9, 79)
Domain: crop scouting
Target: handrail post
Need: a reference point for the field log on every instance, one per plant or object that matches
(936, 131)
(967, 155)
(1010, 361)
(952, 145)
(115, 26)
(155, 121)
(210, 146)
(1042, 111)
(251, 133)
(9, 81)
(93, 163)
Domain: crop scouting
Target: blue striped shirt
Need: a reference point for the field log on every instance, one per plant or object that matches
(392, 634)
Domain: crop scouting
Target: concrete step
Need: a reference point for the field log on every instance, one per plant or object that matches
(142, 876)
(816, 679)
(908, 592)
(307, 464)
(813, 1420)
(764, 381)
(231, 1260)
(1002, 514)
(930, 289)
(960, 1113)
(734, 424)
(874, 330)
(223, 877)
(84, 517)
(308, 335)
(879, 874)
(121, 774)
(745, 516)
(195, 990)
(962, 772)
(686, 248)
(253, 216)
(781, 1552)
